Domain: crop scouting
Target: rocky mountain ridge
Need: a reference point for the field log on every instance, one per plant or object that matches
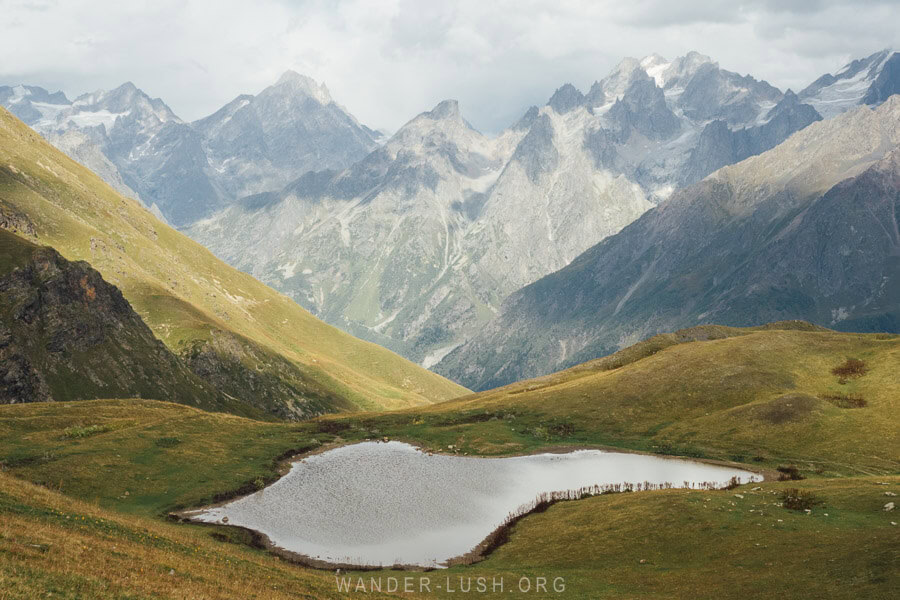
(417, 244)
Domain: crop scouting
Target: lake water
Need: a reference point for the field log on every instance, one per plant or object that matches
(386, 503)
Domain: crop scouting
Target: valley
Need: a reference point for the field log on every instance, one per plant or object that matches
(637, 335)
(255, 346)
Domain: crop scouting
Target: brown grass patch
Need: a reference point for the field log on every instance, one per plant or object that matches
(850, 368)
(844, 400)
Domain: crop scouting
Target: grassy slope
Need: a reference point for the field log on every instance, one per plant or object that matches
(741, 394)
(15, 252)
(693, 543)
(52, 546)
(181, 290)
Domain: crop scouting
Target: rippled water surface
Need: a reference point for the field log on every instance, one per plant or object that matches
(378, 503)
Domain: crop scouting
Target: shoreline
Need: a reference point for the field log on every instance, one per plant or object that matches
(496, 538)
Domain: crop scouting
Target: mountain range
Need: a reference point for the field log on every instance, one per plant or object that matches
(184, 171)
(416, 246)
(808, 228)
(416, 241)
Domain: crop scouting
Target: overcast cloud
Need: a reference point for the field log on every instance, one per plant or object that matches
(387, 61)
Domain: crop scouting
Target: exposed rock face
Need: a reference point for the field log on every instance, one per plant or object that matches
(565, 99)
(807, 230)
(84, 147)
(418, 243)
(713, 93)
(536, 153)
(230, 365)
(66, 334)
(643, 109)
(186, 296)
(719, 146)
(15, 221)
(887, 83)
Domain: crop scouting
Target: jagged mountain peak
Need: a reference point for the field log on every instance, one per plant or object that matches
(444, 117)
(125, 98)
(303, 83)
(613, 86)
(32, 92)
(123, 91)
(791, 104)
(871, 61)
(653, 60)
(655, 66)
(694, 58)
(527, 119)
(443, 123)
(566, 98)
(766, 239)
(625, 66)
(683, 68)
(887, 83)
(446, 109)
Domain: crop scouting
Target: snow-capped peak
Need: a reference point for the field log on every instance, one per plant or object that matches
(681, 68)
(655, 66)
(861, 81)
(613, 86)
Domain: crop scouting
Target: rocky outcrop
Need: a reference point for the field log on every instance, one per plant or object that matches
(66, 334)
(238, 368)
(14, 220)
(536, 152)
(714, 93)
(643, 109)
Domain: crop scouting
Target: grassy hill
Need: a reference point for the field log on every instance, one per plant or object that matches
(761, 397)
(756, 395)
(241, 336)
(96, 527)
(53, 546)
(668, 544)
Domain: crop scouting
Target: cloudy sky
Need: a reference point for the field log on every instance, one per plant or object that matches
(389, 60)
